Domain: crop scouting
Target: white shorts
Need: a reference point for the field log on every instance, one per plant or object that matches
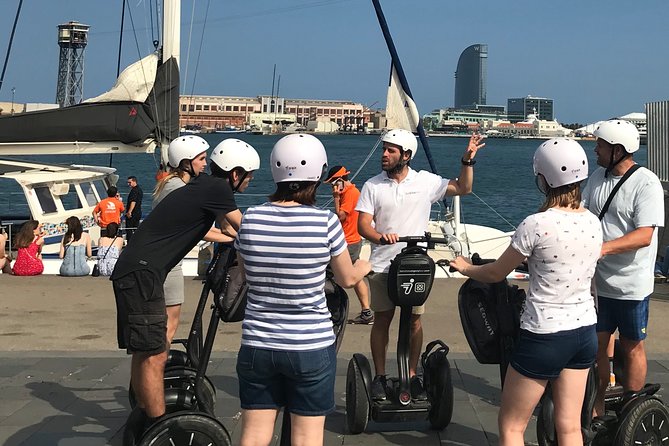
(174, 286)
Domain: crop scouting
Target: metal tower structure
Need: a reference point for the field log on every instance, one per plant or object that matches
(72, 39)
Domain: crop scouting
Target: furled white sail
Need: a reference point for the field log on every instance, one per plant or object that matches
(401, 111)
(134, 83)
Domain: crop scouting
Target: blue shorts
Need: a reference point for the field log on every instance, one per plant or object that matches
(302, 381)
(630, 317)
(544, 356)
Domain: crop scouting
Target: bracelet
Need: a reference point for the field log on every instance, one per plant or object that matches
(467, 163)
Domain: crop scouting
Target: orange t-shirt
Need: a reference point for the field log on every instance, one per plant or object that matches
(347, 202)
(110, 210)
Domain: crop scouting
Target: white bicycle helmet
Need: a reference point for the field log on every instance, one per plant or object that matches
(185, 148)
(561, 161)
(619, 131)
(231, 153)
(403, 138)
(298, 157)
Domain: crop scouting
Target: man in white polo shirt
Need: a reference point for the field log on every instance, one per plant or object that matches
(398, 202)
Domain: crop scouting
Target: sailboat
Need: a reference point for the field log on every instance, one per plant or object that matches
(401, 112)
(139, 114)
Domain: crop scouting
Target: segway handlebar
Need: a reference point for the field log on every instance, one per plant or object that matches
(430, 242)
(413, 240)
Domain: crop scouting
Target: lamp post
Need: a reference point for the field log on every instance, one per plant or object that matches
(12, 110)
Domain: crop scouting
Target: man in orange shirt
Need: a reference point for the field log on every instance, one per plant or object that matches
(108, 210)
(345, 196)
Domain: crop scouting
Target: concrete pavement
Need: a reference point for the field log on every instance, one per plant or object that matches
(62, 381)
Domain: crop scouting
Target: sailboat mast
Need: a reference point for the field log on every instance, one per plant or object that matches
(171, 49)
(171, 30)
(402, 78)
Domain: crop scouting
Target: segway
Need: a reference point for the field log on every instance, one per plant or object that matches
(337, 300)
(490, 317)
(181, 365)
(189, 395)
(194, 422)
(631, 418)
(409, 283)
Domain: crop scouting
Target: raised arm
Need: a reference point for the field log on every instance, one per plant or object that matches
(463, 184)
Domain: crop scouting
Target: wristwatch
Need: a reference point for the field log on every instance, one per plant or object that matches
(467, 163)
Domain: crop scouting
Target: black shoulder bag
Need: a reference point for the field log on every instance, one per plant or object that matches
(628, 174)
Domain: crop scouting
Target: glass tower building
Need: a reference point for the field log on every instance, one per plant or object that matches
(471, 77)
(519, 108)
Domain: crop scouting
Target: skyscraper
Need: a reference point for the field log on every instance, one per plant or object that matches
(471, 77)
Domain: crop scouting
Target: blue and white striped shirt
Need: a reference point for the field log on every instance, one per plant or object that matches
(285, 251)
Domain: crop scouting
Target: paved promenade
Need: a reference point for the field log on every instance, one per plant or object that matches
(63, 382)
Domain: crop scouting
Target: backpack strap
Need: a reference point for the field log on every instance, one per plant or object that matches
(628, 174)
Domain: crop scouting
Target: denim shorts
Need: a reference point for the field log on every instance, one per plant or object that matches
(141, 317)
(544, 356)
(301, 381)
(630, 317)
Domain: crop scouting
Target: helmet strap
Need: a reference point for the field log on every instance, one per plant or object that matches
(235, 187)
(613, 164)
(541, 183)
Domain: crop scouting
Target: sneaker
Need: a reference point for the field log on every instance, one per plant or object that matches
(417, 390)
(362, 319)
(378, 388)
(660, 278)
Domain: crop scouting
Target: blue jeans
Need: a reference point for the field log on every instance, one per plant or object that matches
(302, 381)
(663, 266)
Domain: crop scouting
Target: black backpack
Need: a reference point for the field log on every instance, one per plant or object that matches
(225, 281)
(490, 317)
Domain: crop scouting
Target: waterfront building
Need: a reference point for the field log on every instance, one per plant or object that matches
(519, 109)
(232, 111)
(532, 127)
(471, 77)
(447, 119)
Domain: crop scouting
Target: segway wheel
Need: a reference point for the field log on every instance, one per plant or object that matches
(546, 435)
(357, 404)
(186, 428)
(543, 437)
(176, 358)
(441, 392)
(646, 423)
(184, 379)
(181, 378)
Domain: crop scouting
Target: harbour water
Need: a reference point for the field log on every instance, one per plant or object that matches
(504, 189)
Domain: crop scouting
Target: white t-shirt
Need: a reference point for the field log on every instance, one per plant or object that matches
(401, 208)
(638, 203)
(562, 249)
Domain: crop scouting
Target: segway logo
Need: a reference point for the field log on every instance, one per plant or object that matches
(486, 322)
(409, 287)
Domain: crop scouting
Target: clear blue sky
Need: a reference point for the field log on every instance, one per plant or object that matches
(595, 59)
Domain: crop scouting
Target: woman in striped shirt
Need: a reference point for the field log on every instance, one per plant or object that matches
(287, 357)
